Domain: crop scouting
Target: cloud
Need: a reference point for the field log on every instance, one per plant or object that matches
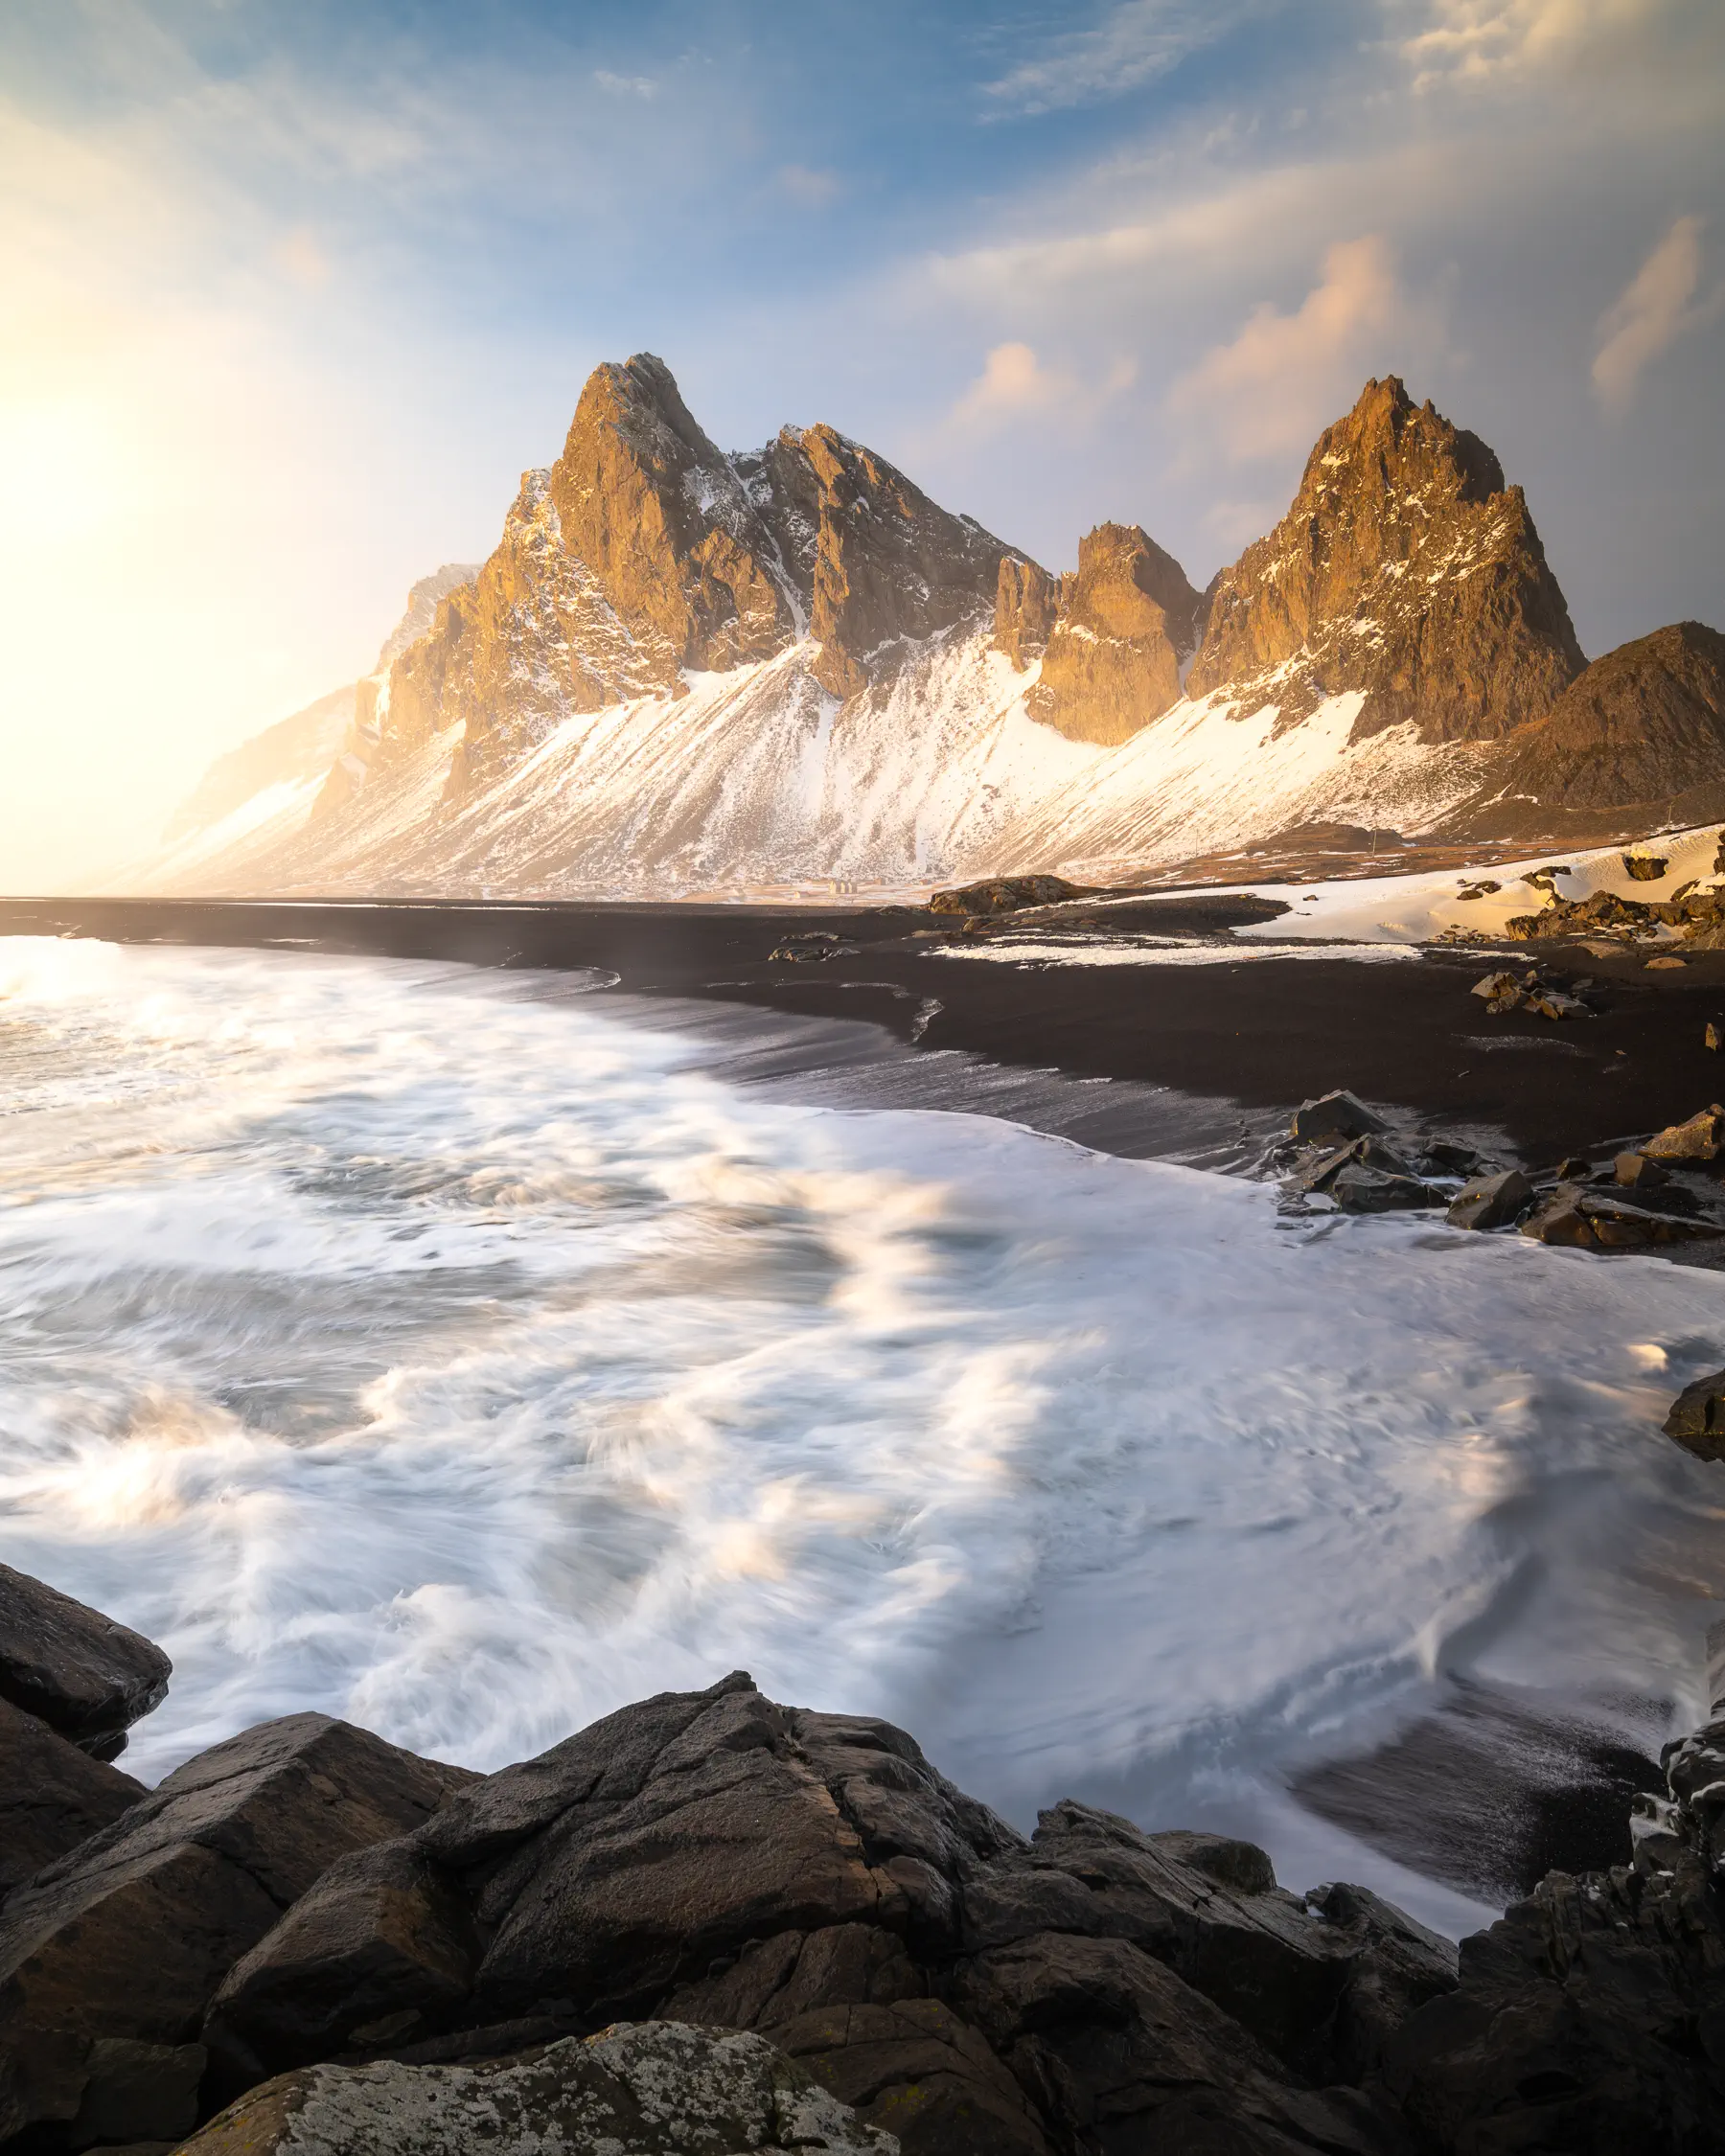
(625, 86)
(1014, 383)
(1270, 390)
(1136, 41)
(811, 190)
(1651, 313)
(1475, 40)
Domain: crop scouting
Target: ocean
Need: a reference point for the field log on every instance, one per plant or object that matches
(469, 1353)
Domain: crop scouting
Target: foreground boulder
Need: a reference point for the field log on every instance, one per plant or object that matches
(1697, 1417)
(129, 1933)
(714, 1858)
(74, 1668)
(1333, 1117)
(653, 2089)
(52, 1796)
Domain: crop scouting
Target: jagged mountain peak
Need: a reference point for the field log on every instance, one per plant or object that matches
(1125, 623)
(1405, 569)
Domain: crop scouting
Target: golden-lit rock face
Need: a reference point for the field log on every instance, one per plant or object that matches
(1405, 568)
(1026, 606)
(1126, 621)
(645, 551)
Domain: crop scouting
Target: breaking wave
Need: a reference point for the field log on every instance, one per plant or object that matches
(441, 1350)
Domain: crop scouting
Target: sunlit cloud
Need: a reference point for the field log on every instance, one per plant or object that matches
(1014, 384)
(1483, 41)
(1269, 389)
(1650, 315)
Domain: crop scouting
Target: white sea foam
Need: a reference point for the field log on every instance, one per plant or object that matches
(441, 1350)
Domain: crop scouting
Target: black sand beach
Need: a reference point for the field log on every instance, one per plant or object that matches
(1262, 1033)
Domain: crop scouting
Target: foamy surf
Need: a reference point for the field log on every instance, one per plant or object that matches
(441, 1350)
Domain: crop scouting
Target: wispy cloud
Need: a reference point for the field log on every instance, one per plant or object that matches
(1136, 41)
(625, 86)
(1650, 315)
(811, 189)
(1268, 390)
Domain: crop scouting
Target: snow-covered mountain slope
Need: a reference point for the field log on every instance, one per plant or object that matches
(687, 671)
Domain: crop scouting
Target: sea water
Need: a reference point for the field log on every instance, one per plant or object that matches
(443, 1350)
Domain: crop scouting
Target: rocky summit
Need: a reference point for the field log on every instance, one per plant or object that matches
(709, 1921)
(684, 669)
(1405, 569)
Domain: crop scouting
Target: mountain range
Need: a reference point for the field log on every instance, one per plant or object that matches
(683, 669)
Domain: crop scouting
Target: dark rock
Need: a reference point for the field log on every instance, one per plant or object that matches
(1697, 1417)
(1585, 2021)
(1119, 2054)
(1364, 1153)
(1701, 1138)
(131, 1931)
(1495, 1201)
(1645, 868)
(74, 1668)
(1333, 1116)
(1644, 724)
(1551, 1003)
(1442, 1157)
(1634, 1171)
(1398, 1965)
(52, 1796)
(1005, 894)
(812, 946)
(1585, 1219)
(653, 2089)
(1370, 1190)
(1561, 1220)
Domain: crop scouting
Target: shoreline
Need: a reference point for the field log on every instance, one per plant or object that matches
(1260, 1032)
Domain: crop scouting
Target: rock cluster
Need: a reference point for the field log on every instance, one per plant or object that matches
(1006, 894)
(711, 1922)
(1696, 910)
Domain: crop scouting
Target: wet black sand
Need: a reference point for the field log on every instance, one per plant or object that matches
(1262, 1033)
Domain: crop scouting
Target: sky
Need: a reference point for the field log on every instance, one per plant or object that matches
(291, 295)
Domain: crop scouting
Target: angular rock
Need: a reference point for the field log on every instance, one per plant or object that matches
(52, 1796)
(1585, 2021)
(1336, 1116)
(1551, 1003)
(1494, 1202)
(1645, 868)
(1701, 1138)
(1370, 1190)
(1503, 991)
(650, 2089)
(1584, 1220)
(1399, 1965)
(74, 1668)
(1113, 658)
(131, 1931)
(1697, 1417)
(1635, 1171)
(1367, 1152)
(1346, 592)
(1119, 2054)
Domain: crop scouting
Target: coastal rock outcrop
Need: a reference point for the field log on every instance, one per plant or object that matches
(708, 1915)
(85, 1676)
(128, 1934)
(1406, 569)
(53, 1795)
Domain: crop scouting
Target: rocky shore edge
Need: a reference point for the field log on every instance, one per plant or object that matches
(709, 1923)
